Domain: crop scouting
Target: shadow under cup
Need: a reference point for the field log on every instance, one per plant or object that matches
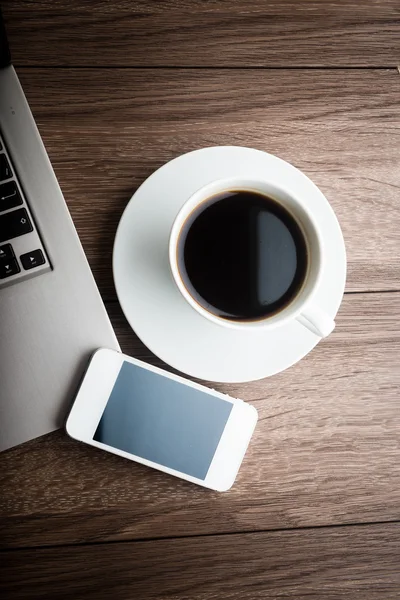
(245, 254)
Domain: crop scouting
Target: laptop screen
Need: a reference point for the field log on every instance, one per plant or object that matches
(5, 57)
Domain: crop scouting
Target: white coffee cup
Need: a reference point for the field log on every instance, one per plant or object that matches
(302, 307)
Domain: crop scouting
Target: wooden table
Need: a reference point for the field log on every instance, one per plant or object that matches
(119, 88)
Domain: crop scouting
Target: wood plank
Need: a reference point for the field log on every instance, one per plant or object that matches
(326, 451)
(213, 33)
(346, 563)
(107, 130)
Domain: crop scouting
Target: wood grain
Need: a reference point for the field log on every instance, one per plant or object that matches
(213, 33)
(107, 130)
(326, 451)
(350, 563)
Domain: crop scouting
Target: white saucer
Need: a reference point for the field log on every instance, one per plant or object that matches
(152, 303)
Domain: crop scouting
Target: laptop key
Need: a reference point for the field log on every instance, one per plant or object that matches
(6, 252)
(14, 224)
(9, 196)
(33, 259)
(8, 268)
(5, 169)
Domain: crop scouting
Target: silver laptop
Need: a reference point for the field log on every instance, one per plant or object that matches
(51, 315)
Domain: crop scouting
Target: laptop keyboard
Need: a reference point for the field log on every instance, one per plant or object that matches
(22, 254)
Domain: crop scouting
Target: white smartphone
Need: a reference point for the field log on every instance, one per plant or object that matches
(161, 420)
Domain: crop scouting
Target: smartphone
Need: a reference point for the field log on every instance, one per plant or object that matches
(161, 420)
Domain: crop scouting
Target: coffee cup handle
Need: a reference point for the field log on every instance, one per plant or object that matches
(317, 321)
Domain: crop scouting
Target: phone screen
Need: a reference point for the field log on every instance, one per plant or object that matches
(162, 420)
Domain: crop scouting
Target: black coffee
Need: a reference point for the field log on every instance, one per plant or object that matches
(242, 256)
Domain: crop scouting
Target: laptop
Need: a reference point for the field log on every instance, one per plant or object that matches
(52, 317)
